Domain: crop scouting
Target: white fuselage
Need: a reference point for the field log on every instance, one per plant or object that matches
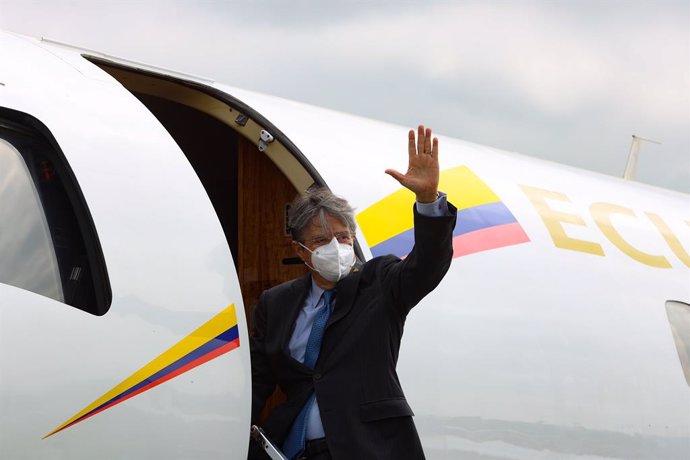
(555, 347)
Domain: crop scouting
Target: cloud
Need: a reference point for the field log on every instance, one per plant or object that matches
(566, 81)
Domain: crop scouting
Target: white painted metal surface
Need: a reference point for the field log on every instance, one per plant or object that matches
(525, 351)
(170, 270)
(528, 351)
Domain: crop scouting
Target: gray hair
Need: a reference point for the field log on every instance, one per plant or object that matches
(319, 202)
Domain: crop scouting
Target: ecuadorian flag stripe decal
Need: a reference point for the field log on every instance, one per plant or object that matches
(214, 338)
(484, 221)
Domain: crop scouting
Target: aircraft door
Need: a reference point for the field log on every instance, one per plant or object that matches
(122, 330)
(249, 180)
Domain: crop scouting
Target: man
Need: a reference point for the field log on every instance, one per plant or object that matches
(330, 339)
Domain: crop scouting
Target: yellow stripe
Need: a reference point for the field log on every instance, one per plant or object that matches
(388, 217)
(393, 214)
(465, 189)
(223, 321)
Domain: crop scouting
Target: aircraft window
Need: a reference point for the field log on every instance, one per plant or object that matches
(679, 318)
(47, 239)
(26, 249)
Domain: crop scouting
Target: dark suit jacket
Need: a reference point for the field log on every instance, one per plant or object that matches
(363, 408)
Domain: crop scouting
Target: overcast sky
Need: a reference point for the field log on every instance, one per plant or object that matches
(568, 81)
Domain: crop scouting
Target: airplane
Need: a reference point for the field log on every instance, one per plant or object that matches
(143, 212)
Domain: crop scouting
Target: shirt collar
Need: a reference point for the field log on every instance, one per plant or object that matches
(315, 294)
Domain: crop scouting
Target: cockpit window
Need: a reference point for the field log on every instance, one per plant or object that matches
(26, 248)
(48, 243)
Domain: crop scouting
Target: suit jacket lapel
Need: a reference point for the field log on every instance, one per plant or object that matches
(346, 292)
(293, 304)
(345, 295)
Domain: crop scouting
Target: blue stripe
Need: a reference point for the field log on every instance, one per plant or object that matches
(469, 220)
(484, 216)
(217, 342)
(400, 245)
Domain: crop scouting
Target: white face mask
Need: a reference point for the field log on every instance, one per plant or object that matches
(333, 261)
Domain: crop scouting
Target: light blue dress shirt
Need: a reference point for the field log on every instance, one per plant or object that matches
(315, 302)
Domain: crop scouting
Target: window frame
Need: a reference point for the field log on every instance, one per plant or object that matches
(26, 133)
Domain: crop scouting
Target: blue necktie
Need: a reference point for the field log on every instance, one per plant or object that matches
(294, 443)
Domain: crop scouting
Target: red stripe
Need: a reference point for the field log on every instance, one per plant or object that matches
(489, 238)
(191, 365)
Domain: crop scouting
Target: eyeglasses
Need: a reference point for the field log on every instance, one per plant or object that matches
(342, 237)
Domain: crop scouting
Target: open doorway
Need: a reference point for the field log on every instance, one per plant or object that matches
(248, 188)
